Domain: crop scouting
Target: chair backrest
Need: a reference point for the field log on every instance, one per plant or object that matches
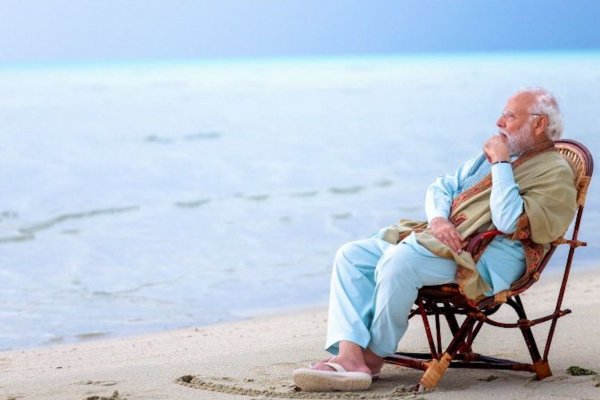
(582, 163)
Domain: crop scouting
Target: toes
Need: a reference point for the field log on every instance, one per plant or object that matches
(319, 363)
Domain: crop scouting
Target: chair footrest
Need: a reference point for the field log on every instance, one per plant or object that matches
(462, 360)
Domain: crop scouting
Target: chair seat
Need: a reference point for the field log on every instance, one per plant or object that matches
(448, 293)
(442, 291)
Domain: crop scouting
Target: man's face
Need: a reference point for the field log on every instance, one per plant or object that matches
(516, 123)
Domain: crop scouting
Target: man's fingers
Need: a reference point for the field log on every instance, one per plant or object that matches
(455, 241)
(457, 244)
(448, 235)
(452, 242)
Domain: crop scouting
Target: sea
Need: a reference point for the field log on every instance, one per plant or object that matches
(148, 196)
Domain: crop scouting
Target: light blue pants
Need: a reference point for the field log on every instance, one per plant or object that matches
(374, 285)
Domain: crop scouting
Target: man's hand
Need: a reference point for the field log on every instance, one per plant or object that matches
(496, 148)
(446, 233)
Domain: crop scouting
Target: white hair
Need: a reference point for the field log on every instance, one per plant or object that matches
(545, 104)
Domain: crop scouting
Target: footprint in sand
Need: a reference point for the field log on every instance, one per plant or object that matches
(99, 383)
(278, 387)
(115, 396)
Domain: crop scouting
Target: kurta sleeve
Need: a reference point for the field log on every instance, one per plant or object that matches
(439, 195)
(506, 203)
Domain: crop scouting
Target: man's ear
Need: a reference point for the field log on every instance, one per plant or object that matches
(541, 124)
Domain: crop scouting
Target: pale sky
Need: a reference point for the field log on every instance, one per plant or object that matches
(108, 30)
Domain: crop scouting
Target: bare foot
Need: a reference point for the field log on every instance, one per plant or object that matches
(348, 363)
(373, 361)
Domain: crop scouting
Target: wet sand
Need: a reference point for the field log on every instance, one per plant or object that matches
(253, 359)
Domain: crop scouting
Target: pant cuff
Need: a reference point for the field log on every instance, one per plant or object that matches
(379, 351)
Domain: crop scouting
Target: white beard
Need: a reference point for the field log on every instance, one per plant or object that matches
(520, 141)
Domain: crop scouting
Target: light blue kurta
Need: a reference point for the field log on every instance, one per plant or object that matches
(506, 206)
(374, 283)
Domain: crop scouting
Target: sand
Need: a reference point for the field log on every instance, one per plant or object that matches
(253, 359)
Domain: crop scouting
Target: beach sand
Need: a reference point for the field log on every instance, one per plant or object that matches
(254, 359)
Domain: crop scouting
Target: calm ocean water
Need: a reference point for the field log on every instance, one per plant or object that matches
(139, 198)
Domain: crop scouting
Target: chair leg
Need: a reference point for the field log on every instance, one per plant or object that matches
(437, 368)
(454, 327)
(541, 367)
(450, 318)
(435, 371)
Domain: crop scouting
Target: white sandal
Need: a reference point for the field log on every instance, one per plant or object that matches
(316, 380)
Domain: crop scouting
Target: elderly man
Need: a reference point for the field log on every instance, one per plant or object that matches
(519, 185)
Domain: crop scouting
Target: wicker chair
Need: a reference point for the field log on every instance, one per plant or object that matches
(446, 300)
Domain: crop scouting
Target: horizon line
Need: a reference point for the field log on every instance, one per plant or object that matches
(285, 59)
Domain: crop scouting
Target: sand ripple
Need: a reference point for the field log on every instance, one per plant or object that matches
(248, 387)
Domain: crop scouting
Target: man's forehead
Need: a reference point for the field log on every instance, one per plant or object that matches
(520, 101)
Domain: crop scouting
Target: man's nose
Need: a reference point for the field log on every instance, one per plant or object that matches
(500, 123)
